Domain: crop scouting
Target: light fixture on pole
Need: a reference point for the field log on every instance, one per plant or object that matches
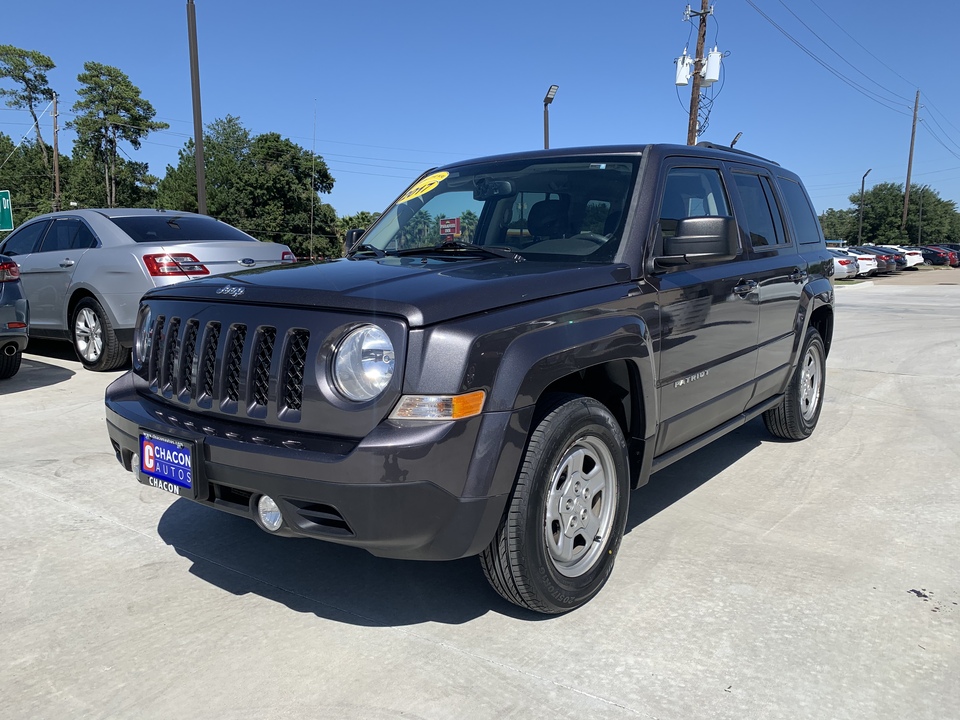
(860, 224)
(548, 98)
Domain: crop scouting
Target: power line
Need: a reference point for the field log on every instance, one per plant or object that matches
(911, 84)
(853, 84)
(816, 35)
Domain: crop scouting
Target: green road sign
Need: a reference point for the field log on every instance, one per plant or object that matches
(6, 211)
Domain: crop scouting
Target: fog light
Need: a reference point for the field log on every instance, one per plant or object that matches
(135, 464)
(270, 516)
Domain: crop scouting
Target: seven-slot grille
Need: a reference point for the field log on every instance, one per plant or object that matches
(202, 364)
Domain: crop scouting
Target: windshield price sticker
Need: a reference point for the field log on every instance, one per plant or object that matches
(423, 186)
(167, 464)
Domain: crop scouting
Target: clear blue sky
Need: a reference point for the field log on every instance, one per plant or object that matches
(400, 87)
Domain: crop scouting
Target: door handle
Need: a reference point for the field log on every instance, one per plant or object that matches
(797, 275)
(745, 287)
(67, 262)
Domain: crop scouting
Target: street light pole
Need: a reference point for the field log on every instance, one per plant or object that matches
(548, 98)
(863, 180)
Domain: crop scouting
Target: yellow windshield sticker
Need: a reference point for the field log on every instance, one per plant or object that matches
(423, 186)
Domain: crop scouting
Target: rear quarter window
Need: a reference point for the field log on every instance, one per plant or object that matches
(805, 220)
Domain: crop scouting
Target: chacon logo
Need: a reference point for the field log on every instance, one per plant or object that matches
(230, 290)
(691, 378)
(249, 262)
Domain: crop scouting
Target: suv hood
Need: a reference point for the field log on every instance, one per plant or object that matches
(423, 290)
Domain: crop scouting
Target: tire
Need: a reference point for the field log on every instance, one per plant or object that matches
(94, 340)
(574, 474)
(797, 414)
(9, 364)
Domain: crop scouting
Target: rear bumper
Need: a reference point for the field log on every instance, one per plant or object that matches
(388, 494)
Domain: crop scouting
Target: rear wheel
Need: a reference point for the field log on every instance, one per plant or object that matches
(94, 339)
(797, 414)
(558, 540)
(9, 364)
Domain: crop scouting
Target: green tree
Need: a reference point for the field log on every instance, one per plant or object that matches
(28, 69)
(265, 185)
(468, 225)
(839, 224)
(110, 110)
(930, 219)
(25, 174)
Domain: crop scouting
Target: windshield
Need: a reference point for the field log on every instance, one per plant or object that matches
(564, 209)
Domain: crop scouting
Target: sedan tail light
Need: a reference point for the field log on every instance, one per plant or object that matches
(288, 257)
(9, 271)
(166, 265)
(846, 262)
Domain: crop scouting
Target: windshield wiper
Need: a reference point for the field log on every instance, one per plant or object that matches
(460, 246)
(366, 248)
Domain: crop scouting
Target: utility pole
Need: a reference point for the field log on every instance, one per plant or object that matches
(913, 136)
(197, 115)
(56, 158)
(697, 67)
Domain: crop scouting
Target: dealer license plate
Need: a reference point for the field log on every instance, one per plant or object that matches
(166, 464)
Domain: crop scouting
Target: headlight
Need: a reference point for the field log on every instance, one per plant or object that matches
(363, 363)
(143, 335)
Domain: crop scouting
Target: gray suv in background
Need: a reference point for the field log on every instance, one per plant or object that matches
(84, 271)
(514, 344)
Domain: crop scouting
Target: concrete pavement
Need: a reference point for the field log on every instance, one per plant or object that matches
(758, 579)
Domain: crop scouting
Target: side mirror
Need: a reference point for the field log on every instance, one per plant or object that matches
(701, 240)
(352, 237)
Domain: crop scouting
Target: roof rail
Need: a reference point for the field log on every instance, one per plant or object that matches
(727, 148)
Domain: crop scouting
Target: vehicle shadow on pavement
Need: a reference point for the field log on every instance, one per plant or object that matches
(34, 374)
(676, 481)
(336, 582)
(349, 585)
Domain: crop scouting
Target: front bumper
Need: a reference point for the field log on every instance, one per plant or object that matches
(401, 492)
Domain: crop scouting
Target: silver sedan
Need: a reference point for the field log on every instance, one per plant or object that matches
(84, 271)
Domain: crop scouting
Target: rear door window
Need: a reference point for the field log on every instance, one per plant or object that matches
(68, 234)
(763, 215)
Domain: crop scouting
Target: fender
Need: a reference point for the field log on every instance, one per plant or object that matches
(536, 360)
(817, 293)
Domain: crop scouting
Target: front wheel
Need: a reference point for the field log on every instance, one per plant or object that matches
(94, 339)
(558, 540)
(797, 414)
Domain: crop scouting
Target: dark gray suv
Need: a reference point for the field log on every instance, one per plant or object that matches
(515, 343)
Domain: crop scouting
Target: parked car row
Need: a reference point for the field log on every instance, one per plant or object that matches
(870, 260)
(83, 271)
